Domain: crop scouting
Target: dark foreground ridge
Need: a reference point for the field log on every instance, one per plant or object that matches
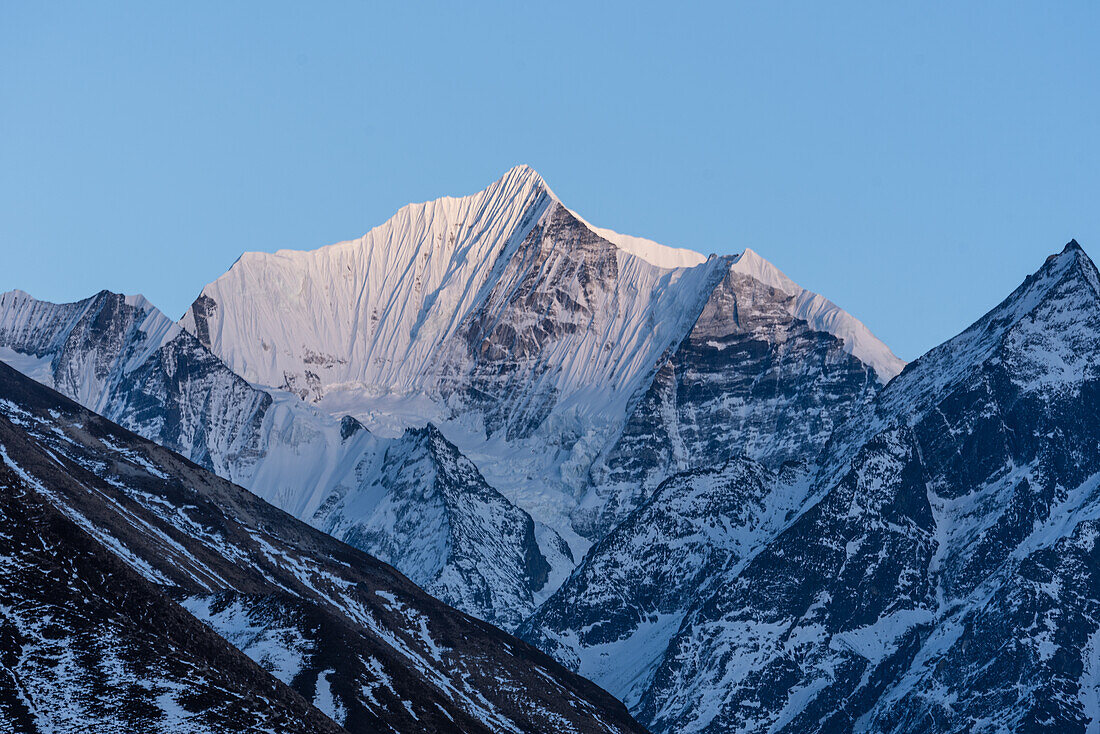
(139, 592)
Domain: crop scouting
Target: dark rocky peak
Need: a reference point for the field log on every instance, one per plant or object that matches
(1043, 338)
(349, 426)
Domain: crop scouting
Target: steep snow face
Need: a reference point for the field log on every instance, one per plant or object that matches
(966, 516)
(416, 503)
(526, 334)
(380, 311)
(377, 310)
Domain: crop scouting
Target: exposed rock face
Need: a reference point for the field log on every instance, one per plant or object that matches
(824, 611)
(558, 284)
(144, 593)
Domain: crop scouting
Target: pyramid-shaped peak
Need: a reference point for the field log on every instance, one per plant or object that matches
(1071, 249)
(522, 171)
(1070, 263)
(1047, 308)
(749, 262)
(1070, 256)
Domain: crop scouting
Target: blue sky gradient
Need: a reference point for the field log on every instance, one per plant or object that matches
(911, 161)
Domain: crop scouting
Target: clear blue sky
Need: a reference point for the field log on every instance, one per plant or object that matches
(911, 161)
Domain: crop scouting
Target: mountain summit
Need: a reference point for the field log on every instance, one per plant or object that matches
(503, 317)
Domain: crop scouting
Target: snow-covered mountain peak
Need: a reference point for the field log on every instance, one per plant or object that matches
(516, 189)
(378, 311)
(1045, 331)
(523, 175)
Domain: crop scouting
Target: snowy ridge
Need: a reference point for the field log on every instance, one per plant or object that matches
(652, 252)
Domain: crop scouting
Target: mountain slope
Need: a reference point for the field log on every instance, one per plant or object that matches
(613, 619)
(160, 382)
(347, 633)
(943, 574)
(84, 638)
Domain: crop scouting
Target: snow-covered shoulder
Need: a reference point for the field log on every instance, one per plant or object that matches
(652, 252)
(824, 315)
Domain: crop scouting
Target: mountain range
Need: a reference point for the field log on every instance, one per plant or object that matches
(713, 493)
